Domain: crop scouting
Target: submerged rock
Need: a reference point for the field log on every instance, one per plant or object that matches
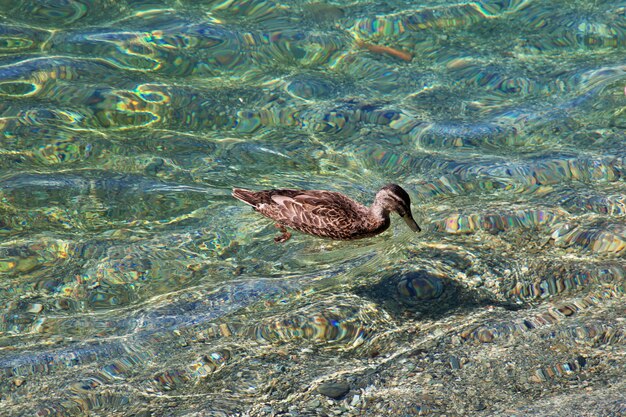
(334, 390)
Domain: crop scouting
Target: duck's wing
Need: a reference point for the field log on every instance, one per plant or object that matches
(264, 197)
(311, 209)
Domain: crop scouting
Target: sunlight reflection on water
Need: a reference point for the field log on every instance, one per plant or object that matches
(133, 284)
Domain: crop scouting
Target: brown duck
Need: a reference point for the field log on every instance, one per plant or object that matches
(327, 213)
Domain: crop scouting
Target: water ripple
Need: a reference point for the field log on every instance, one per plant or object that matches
(131, 283)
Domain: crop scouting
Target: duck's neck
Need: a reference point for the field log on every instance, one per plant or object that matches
(379, 213)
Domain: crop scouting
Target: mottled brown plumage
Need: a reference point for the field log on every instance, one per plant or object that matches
(327, 213)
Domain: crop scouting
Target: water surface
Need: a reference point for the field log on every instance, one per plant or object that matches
(131, 283)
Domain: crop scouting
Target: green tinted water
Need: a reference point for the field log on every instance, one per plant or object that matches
(131, 283)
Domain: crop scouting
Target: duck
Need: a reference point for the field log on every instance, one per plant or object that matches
(329, 214)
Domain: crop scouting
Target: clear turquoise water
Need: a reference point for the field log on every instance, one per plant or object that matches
(131, 283)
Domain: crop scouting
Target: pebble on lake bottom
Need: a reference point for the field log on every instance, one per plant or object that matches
(334, 390)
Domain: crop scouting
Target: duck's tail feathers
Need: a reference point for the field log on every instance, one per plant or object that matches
(246, 196)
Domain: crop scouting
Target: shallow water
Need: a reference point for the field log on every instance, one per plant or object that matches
(131, 283)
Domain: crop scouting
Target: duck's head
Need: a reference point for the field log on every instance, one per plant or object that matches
(392, 197)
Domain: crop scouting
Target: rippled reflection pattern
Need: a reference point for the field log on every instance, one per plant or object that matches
(132, 284)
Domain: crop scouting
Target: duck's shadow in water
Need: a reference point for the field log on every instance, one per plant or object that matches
(429, 296)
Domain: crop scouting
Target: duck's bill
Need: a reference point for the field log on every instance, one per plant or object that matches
(411, 223)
